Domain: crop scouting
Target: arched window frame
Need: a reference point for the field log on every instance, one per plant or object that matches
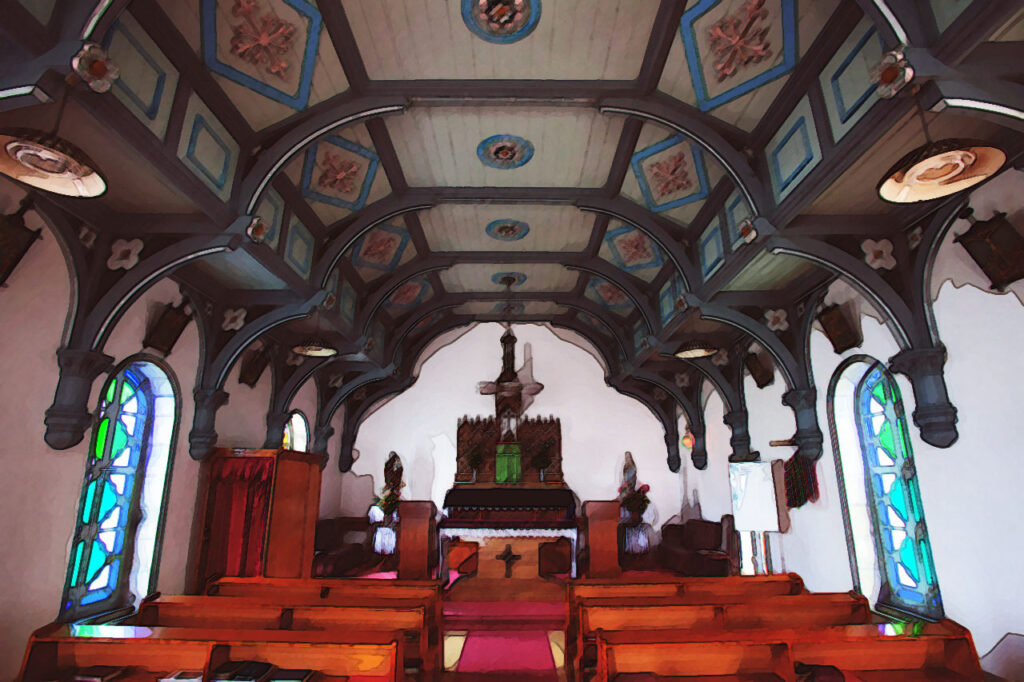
(877, 402)
(136, 569)
(291, 441)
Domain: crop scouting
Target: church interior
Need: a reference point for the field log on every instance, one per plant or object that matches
(554, 340)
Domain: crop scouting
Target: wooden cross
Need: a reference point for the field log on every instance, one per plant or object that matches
(509, 558)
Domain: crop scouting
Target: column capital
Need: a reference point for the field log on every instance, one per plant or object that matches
(68, 416)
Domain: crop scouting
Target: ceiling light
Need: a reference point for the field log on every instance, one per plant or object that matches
(315, 348)
(48, 162)
(939, 169)
(694, 350)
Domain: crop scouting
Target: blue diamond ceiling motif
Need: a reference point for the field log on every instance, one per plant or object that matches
(671, 173)
(632, 250)
(339, 172)
(268, 46)
(733, 48)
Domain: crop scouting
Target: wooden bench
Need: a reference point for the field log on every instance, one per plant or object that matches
(733, 588)
(336, 592)
(237, 612)
(941, 651)
(793, 611)
(153, 652)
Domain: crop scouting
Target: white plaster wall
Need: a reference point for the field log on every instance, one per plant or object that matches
(242, 422)
(37, 536)
(970, 491)
(708, 495)
(598, 423)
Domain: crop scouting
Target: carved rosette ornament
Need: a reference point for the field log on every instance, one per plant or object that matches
(808, 436)
(934, 415)
(68, 417)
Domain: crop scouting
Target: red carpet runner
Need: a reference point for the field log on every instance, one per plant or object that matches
(524, 653)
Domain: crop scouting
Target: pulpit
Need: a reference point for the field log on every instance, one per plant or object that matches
(603, 538)
(256, 515)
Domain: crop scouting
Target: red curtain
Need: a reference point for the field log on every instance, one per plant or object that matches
(240, 505)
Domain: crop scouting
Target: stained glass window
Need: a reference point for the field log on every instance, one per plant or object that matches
(122, 495)
(296, 432)
(909, 584)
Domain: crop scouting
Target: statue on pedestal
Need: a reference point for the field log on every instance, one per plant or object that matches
(633, 502)
(384, 511)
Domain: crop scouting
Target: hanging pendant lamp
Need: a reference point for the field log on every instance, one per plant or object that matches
(695, 349)
(939, 169)
(45, 160)
(315, 346)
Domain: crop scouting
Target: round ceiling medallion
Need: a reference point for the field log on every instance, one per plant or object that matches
(508, 279)
(508, 230)
(50, 163)
(504, 151)
(501, 21)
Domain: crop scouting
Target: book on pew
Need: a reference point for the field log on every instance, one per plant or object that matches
(184, 676)
(295, 675)
(98, 673)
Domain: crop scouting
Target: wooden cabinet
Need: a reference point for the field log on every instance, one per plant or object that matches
(256, 515)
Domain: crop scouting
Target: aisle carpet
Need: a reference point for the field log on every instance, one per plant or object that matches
(524, 652)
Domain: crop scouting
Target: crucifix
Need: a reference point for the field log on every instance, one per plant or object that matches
(509, 558)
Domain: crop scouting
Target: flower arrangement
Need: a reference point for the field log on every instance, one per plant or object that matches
(388, 500)
(635, 500)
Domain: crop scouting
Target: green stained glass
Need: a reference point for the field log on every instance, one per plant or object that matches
(908, 559)
(120, 437)
(78, 562)
(926, 560)
(879, 393)
(126, 392)
(97, 558)
(885, 437)
(101, 437)
(108, 500)
(915, 499)
(90, 492)
(110, 391)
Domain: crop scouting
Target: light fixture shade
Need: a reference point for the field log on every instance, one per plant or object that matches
(315, 348)
(692, 350)
(50, 163)
(939, 169)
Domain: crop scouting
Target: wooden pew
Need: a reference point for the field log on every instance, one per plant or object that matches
(732, 588)
(940, 651)
(190, 611)
(793, 611)
(154, 652)
(336, 592)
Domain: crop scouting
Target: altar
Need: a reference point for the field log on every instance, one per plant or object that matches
(509, 495)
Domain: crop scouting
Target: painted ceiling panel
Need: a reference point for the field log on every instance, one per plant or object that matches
(414, 39)
(609, 296)
(505, 147)
(408, 296)
(511, 227)
(732, 58)
(510, 308)
(630, 249)
(381, 251)
(670, 174)
(339, 174)
(464, 277)
(271, 57)
(770, 272)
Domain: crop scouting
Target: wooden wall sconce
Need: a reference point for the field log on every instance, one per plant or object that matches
(996, 246)
(253, 364)
(838, 323)
(165, 332)
(15, 240)
(760, 369)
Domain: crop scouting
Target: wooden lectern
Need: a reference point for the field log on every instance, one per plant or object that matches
(603, 538)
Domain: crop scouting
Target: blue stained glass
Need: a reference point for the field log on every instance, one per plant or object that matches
(897, 514)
